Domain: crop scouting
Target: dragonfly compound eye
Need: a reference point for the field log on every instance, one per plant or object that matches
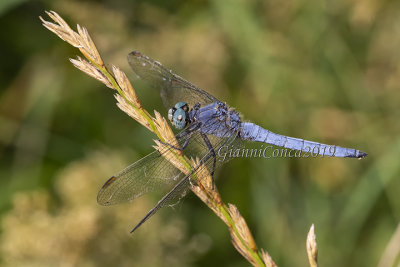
(179, 118)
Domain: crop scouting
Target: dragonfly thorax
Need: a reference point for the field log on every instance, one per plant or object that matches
(179, 115)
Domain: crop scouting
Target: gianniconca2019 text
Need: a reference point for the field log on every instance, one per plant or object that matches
(268, 152)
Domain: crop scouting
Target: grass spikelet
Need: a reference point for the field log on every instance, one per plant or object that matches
(166, 132)
(133, 113)
(90, 70)
(126, 86)
(267, 259)
(312, 249)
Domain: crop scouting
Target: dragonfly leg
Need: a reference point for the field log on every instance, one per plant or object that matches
(186, 141)
(196, 108)
(184, 145)
(188, 132)
(212, 153)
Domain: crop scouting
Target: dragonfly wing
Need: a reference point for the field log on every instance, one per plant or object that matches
(172, 87)
(207, 163)
(145, 175)
(148, 174)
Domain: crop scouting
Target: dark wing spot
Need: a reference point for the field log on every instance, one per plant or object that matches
(109, 181)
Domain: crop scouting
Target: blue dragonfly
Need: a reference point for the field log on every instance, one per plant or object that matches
(206, 125)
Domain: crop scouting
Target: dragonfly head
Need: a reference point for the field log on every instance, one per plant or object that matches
(179, 115)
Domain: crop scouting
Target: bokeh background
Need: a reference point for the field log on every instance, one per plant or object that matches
(327, 71)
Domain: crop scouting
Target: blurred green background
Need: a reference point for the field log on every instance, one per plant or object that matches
(327, 71)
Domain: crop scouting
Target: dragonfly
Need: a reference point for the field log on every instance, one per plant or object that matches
(206, 125)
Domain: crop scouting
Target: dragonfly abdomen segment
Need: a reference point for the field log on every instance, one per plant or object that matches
(252, 132)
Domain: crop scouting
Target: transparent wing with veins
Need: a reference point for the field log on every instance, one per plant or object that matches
(173, 88)
(145, 175)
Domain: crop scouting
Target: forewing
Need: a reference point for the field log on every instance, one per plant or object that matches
(173, 88)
